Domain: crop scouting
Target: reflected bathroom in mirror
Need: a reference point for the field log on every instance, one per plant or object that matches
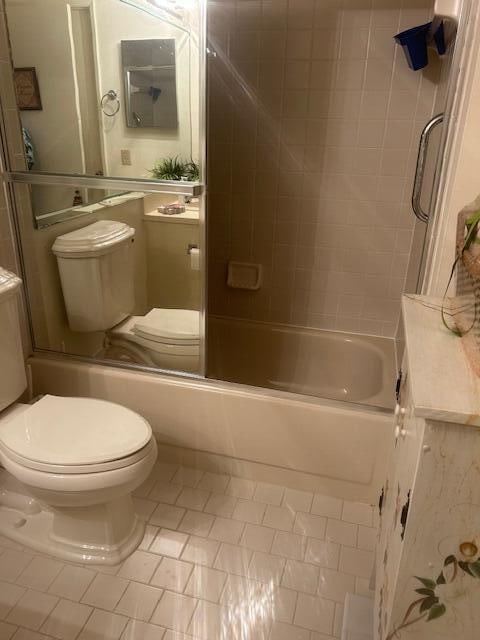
(119, 84)
(109, 213)
(116, 279)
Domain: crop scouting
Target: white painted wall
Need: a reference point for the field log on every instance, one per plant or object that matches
(40, 36)
(114, 22)
(460, 184)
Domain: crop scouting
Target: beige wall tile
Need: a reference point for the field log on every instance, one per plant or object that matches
(335, 118)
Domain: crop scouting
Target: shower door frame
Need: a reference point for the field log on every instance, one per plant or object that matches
(439, 241)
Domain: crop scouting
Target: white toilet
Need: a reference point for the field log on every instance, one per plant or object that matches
(96, 271)
(165, 338)
(68, 466)
(97, 274)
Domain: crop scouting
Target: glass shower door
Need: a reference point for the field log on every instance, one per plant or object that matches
(313, 132)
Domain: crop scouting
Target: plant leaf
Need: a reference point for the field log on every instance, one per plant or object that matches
(465, 566)
(475, 568)
(192, 171)
(436, 611)
(425, 592)
(428, 603)
(449, 560)
(441, 579)
(171, 168)
(472, 227)
(430, 584)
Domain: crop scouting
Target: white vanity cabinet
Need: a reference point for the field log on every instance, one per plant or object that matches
(428, 553)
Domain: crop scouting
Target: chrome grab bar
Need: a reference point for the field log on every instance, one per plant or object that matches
(422, 215)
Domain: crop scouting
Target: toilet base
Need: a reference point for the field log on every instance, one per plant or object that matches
(99, 534)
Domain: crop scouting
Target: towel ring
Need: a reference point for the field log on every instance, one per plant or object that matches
(110, 96)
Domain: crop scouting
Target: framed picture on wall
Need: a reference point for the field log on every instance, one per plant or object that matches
(27, 89)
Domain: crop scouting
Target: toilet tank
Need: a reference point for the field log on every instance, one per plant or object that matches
(97, 274)
(13, 381)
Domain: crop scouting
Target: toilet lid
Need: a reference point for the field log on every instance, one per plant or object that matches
(9, 283)
(75, 431)
(175, 326)
(96, 238)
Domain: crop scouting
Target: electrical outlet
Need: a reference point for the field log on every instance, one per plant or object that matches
(125, 156)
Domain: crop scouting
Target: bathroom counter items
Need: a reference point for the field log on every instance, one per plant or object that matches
(189, 216)
(444, 385)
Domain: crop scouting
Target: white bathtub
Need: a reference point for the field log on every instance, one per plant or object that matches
(326, 364)
(266, 435)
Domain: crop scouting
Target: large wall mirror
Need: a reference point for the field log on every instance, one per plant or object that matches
(109, 203)
(107, 87)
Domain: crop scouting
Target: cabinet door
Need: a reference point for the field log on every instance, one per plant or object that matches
(404, 453)
(437, 591)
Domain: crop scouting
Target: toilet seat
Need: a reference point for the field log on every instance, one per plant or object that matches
(169, 326)
(74, 435)
(152, 335)
(100, 467)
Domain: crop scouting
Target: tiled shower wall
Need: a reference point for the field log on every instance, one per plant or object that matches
(314, 122)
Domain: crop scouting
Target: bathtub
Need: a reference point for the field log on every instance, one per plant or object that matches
(267, 435)
(327, 364)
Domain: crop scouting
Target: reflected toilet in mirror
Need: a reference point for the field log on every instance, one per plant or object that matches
(96, 266)
(101, 282)
(118, 279)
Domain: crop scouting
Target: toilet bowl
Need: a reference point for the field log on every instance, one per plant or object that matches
(165, 338)
(70, 467)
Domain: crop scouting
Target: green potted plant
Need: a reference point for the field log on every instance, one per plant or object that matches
(175, 168)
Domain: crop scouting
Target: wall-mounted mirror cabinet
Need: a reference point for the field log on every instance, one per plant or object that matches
(109, 200)
(150, 86)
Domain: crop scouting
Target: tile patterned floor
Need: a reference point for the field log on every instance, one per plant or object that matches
(223, 558)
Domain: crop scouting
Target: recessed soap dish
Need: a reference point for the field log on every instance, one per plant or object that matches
(244, 275)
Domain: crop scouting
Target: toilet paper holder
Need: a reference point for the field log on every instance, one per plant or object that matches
(193, 252)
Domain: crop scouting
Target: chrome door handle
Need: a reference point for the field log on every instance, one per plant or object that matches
(422, 215)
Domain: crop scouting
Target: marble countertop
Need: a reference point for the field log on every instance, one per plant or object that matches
(444, 385)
